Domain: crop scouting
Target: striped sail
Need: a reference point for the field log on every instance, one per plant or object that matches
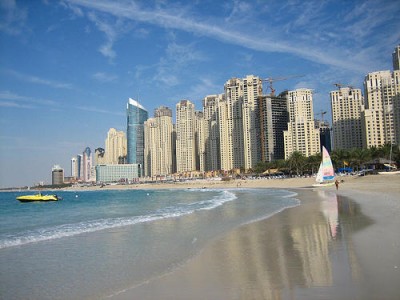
(325, 172)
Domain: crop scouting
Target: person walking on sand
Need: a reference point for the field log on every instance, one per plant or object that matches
(337, 184)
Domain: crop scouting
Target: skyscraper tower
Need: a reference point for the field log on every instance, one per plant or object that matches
(382, 91)
(347, 104)
(74, 168)
(273, 122)
(211, 132)
(115, 146)
(302, 135)
(158, 143)
(200, 140)
(230, 117)
(185, 136)
(252, 90)
(136, 116)
(87, 165)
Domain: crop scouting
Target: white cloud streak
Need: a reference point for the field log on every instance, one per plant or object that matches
(38, 80)
(12, 100)
(269, 41)
(99, 110)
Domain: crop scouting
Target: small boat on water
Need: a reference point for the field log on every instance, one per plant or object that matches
(38, 197)
(326, 173)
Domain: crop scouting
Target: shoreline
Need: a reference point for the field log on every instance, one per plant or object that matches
(291, 255)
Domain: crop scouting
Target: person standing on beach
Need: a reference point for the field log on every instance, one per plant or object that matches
(337, 184)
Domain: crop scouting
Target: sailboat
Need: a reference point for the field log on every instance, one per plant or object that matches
(326, 173)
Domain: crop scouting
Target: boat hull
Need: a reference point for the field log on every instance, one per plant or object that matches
(389, 173)
(37, 198)
(325, 184)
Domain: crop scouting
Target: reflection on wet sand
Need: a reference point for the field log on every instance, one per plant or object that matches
(296, 252)
(285, 257)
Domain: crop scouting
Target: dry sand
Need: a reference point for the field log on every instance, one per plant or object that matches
(341, 244)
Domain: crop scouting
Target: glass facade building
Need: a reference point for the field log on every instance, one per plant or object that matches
(117, 173)
(136, 116)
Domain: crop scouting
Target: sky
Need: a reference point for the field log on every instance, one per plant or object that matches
(67, 68)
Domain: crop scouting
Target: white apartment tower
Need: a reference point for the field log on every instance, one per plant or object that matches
(152, 148)
(231, 125)
(382, 91)
(158, 143)
(200, 141)
(347, 104)
(185, 137)
(211, 132)
(115, 147)
(301, 136)
(252, 90)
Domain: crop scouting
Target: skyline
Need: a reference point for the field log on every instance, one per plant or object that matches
(68, 68)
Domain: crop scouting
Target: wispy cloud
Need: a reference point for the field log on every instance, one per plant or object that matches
(99, 110)
(318, 42)
(176, 63)
(12, 100)
(38, 80)
(12, 17)
(171, 19)
(105, 77)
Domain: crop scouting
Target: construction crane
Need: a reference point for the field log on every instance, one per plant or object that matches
(270, 80)
(340, 85)
(322, 113)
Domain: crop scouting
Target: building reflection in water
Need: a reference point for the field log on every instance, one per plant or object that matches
(308, 246)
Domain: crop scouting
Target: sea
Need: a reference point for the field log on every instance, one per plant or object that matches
(97, 244)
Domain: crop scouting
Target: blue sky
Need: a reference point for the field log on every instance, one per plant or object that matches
(67, 68)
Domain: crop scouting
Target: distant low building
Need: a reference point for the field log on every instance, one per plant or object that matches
(57, 175)
(117, 173)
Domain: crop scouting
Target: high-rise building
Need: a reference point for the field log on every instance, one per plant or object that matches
(273, 122)
(115, 147)
(252, 90)
(324, 135)
(136, 116)
(230, 119)
(211, 132)
(74, 168)
(347, 104)
(87, 166)
(158, 143)
(200, 140)
(382, 91)
(301, 136)
(396, 58)
(99, 156)
(57, 175)
(185, 137)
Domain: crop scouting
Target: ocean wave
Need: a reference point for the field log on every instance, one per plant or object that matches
(70, 230)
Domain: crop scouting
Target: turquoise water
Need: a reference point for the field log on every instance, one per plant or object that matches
(94, 244)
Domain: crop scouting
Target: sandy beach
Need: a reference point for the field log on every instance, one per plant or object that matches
(342, 244)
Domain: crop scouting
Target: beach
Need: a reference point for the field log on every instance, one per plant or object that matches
(206, 239)
(341, 244)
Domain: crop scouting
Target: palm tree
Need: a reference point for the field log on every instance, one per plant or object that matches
(297, 162)
(358, 157)
(339, 157)
(313, 162)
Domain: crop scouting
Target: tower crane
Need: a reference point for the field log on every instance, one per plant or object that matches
(270, 80)
(322, 113)
(340, 85)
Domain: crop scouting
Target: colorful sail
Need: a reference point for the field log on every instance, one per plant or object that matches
(326, 171)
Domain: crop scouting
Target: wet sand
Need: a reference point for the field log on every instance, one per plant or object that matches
(341, 244)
